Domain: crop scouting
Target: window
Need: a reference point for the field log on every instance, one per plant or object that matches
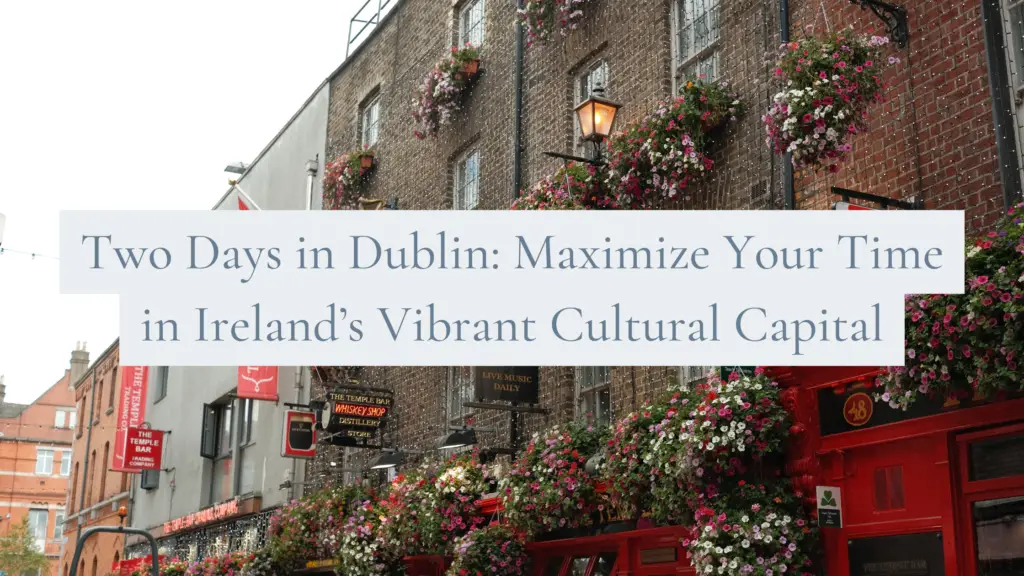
(690, 375)
(460, 390)
(44, 461)
(224, 433)
(250, 414)
(159, 383)
(1013, 33)
(73, 502)
(467, 181)
(65, 463)
(471, 23)
(150, 480)
(216, 440)
(594, 76)
(103, 472)
(698, 38)
(999, 457)
(96, 416)
(72, 418)
(59, 419)
(371, 122)
(37, 526)
(593, 394)
(58, 526)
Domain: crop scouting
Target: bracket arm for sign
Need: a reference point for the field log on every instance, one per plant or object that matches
(507, 407)
(913, 204)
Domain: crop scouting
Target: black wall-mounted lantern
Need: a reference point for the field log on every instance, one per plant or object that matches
(894, 17)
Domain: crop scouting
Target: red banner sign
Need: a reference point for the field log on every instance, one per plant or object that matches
(144, 449)
(131, 411)
(126, 567)
(212, 514)
(257, 382)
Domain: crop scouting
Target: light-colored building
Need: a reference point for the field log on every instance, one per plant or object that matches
(35, 460)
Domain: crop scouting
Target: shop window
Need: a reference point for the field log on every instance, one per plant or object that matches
(596, 75)
(370, 122)
(996, 458)
(698, 38)
(44, 461)
(471, 23)
(999, 536)
(467, 181)
(889, 488)
(578, 566)
(603, 564)
(593, 394)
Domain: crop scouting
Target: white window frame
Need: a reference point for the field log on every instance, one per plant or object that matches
(42, 455)
(58, 525)
(370, 123)
(466, 193)
(693, 60)
(471, 23)
(37, 532)
(60, 418)
(72, 419)
(596, 74)
(250, 415)
(593, 382)
(65, 458)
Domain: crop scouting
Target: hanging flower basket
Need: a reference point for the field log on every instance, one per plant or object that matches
(830, 84)
(574, 187)
(970, 344)
(493, 549)
(443, 89)
(344, 178)
(542, 19)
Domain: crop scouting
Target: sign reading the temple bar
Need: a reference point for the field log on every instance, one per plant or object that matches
(205, 516)
(144, 449)
(299, 434)
(131, 412)
(830, 507)
(519, 384)
(855, 408)
(358, 410)
(897, 555)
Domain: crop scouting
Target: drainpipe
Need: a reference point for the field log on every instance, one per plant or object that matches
(85, 468)
(311, 169)
(517, 131)
(788, 193)
(301, 375)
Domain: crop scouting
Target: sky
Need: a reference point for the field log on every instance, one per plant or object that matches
(128, 105)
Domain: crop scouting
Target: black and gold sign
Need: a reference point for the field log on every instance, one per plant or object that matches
(897, 555)
(358, 410)
(856, 408)
(508, 384)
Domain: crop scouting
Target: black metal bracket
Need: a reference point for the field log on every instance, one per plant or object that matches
(507, 407)
(591, 161)
(894, 16)
(914, 204)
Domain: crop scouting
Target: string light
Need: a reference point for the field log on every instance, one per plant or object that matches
(33, 255)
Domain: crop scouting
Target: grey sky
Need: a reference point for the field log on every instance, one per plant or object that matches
(131, 105)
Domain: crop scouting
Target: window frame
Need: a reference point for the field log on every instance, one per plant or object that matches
(591, 395)
(65, 456)
(40, 452)
(371, 105)
(690, 60)
(160, 374)
(583, 88)
(250, 415)
(467, 33)
(60, 418)
(32, 527)
(58, 525)
(464, 386)
(461, 183)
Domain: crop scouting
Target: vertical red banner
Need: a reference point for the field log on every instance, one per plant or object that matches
(131, 411)
(257, 382)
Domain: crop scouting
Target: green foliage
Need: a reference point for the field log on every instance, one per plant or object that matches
(18, 551)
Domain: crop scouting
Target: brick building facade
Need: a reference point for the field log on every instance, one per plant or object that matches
(35, 460)
(96, 492)
(935, 139)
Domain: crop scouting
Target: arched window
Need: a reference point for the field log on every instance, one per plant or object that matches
(95, 565)
(66, 569)
(92, 478)
(103, 472)
(99, 405)
(81, 567)
(72, 504)
(117, 558)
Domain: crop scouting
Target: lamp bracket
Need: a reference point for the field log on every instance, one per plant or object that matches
(893, 15)
(507, 407)
(593, 162)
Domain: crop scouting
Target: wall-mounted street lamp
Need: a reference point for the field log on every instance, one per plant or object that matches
(460, 437)
(236, 168)
(596, 116)
(389, 458)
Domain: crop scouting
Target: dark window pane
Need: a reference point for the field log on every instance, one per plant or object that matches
(554, 566)
(604, 565)
(997, 458)
(578, 566)
(999, 533)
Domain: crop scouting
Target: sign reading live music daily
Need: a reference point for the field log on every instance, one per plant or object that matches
(357, 409)
(519, 384)
(855, 408)
(131, 412)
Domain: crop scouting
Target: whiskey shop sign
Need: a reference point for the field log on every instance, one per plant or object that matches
(356, 410)
(508, 383)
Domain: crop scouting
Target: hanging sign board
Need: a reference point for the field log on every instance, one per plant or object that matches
(144, 449)
(257, 382)
(519, 384)
(299, 436)
(898, 555)
(830, 507)
(131, 412)
(358, 410)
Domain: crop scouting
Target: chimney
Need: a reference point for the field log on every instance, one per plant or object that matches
(79, 363)
(3, 390)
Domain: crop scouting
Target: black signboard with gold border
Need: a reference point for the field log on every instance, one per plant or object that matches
(520, 384)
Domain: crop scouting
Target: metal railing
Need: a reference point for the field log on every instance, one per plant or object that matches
(371, 18)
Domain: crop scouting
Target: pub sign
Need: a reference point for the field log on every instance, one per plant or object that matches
(520, 384)
(356, 415)
(299, 434)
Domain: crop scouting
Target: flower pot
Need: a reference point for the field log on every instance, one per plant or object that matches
(366, 162)
(471, 68)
